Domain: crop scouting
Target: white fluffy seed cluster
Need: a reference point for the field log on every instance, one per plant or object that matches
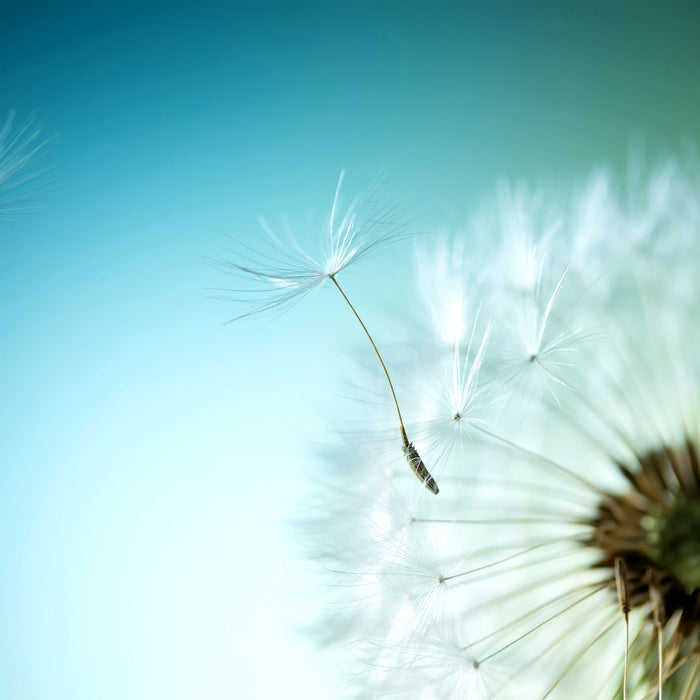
(561, 339)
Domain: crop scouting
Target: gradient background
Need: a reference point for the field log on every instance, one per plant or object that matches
(151, 456)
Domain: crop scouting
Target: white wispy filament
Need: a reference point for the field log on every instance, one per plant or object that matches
(278, 273)
(20, 149)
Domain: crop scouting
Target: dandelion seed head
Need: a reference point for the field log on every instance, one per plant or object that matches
(560, 410)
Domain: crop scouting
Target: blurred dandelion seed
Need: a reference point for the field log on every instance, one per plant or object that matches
(19, 177)
(573, 513)
(285, 274)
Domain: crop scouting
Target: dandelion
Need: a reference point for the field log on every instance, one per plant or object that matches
(19, 150)
(562, 559)
(284, 274)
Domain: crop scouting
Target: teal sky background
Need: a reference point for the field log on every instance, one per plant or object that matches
(151, 455)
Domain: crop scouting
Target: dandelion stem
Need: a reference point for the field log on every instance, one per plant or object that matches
(660, 643)
(659, 616)
(623, 597)
(542, 624)
(508, 558)
(414, 459)
(570, 665)
(538, 457)
(386, 372)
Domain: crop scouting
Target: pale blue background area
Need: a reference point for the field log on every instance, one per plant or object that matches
(150, 456)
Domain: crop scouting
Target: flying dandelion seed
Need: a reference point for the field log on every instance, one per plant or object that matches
(284, 274)
(562, 559)
(20, 149)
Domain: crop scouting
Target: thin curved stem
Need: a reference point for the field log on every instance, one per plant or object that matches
(386, 372)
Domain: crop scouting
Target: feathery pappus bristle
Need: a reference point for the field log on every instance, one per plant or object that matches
(21, 148)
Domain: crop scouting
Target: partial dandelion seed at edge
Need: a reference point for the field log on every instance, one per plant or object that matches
(21, 149)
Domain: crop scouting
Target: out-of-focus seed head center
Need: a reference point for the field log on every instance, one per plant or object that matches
(654, 528)
(674, 542)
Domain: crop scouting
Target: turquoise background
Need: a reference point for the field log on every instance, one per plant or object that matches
(151, 455)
